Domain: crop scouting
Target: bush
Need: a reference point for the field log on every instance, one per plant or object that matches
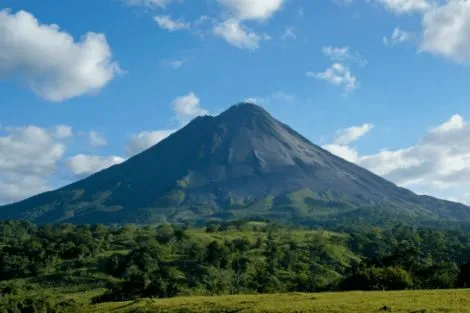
(379, 278)
(37, 304)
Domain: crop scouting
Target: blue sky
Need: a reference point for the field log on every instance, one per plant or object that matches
(382, 83)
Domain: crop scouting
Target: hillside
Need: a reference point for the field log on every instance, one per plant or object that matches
(66, 268)
(242, 163)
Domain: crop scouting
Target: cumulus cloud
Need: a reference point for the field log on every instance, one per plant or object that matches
(252, 9)
(185, 108)
(343, 151)
(50, 61)
(16, 187)
(406, 6)
(166, 22)
(29, 150)
(438, 164)
(445, 27)
(351, 134)
(96, 139)
(344, 137)
(63, 131)
(339, 75)
(343, 54)
(398, 36)
(188, 107)
(146, 139)
(238, 35)
(230, 25)
(83, 165)
(28, 155)
(232, 28)
(446, 31)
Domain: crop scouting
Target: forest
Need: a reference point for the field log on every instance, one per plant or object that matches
(41, 266)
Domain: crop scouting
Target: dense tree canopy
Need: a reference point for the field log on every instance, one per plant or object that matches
(229, 258)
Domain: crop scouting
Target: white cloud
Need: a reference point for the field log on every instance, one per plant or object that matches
(150, 3)
(27, 156)
(289, 33)
(252, 9)
(96, 139)
(188, 107)
(238, 35)
(343, 54)
(50, 62)
(232, 28)
(83, 165)
(339, 75)
(16, 187)
(252, 100)
(455, 122)
(344, 137)
(185, 107)
(446, 31)
(166, 22)
(438, 164)
(445, 27)
(63, 131)
(398, 36)
(343, 151)
(173, 64)
(276, 97)
(351, 134)
(146, 139)
(29, 150)
(406, 6)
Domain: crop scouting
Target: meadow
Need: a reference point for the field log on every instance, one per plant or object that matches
(419, 301)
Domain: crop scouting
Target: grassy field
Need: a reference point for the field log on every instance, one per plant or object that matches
(348, 302)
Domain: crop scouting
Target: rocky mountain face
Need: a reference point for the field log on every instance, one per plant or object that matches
(242, 163)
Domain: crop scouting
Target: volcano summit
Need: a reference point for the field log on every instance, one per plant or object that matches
(242, 163)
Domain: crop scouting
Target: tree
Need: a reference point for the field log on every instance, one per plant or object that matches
(217, 254)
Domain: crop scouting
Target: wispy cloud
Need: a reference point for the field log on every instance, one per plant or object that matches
(289, 33)
(170, 24)
(173, 63)
(398, 36)
(343, 54)
(339, 75)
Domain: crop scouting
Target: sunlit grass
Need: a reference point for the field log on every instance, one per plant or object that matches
(347, 302)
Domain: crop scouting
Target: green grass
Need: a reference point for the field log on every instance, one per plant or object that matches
(447, 301)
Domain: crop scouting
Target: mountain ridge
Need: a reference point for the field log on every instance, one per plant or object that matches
(241, 163)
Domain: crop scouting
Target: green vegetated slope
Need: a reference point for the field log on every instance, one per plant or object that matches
(67, 268)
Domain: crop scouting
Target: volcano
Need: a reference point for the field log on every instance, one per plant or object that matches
(242, 163)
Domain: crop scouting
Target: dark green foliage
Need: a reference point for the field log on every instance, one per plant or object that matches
(37, 304)
(27, 250)
(464, 276)
(379, 278)
(233, 257)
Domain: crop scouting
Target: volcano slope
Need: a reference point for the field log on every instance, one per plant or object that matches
(242, 163)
